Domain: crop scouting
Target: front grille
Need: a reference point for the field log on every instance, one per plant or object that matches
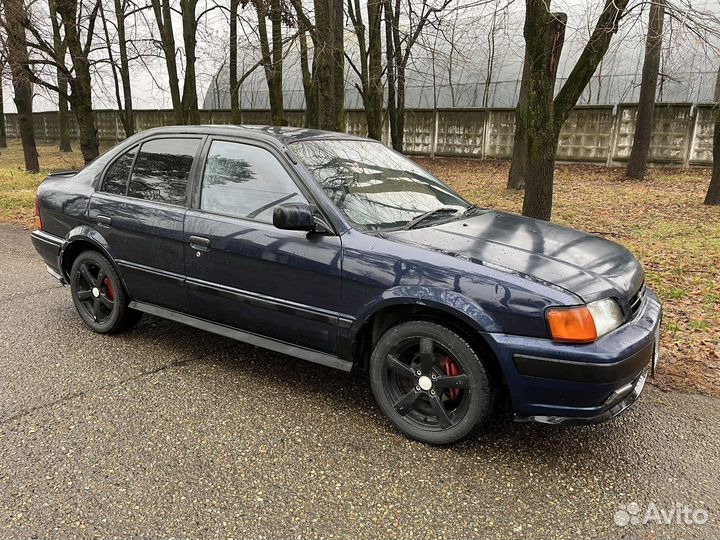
(636, 301)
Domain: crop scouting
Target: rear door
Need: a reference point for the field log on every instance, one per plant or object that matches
(140, 209)
(244, 272)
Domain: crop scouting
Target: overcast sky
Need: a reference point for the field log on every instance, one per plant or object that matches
(689, 66)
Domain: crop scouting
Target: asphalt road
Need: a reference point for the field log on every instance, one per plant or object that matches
(168, 431)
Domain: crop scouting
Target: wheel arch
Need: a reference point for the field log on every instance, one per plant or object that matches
(461, 317)
(85, 238)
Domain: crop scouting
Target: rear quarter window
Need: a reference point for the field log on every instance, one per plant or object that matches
(118, 174)
(162, 170)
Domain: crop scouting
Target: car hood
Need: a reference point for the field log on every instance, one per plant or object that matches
(586, 265)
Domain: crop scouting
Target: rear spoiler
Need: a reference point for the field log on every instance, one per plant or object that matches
(62, 173)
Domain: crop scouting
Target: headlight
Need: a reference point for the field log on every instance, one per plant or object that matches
(584, 324)
(606, 314)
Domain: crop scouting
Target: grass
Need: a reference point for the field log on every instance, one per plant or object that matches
(662, 220)
(17, 187)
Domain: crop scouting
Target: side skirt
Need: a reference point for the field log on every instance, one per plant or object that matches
(246, 337)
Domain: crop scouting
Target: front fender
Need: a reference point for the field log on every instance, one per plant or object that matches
(450, 302)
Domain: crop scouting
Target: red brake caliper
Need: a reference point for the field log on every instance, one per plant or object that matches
(451, 369)
(108, 286)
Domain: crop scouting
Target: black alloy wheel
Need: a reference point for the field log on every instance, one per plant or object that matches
(430, 382)
(98, 294)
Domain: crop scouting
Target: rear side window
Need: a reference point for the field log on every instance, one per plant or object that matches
(162, 170)
(245, 181)
(117, 175)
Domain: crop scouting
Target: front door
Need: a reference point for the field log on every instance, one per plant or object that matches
(244, 272)
(140, 210)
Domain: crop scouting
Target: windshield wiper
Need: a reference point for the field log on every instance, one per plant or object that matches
(432, 213)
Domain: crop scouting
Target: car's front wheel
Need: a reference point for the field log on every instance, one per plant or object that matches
(98, 294)
(430, 382)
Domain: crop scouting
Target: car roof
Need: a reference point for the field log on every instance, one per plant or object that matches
(285, 135)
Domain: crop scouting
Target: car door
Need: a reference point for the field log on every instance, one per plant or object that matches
(244, 272)
(140, 208)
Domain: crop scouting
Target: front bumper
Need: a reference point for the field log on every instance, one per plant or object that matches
(563, 383)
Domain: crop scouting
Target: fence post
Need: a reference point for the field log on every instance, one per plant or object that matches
(434, 135)
(613, 135)
(692, 124)
(486, 135)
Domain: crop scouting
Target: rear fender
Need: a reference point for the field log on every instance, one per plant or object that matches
(85, 233)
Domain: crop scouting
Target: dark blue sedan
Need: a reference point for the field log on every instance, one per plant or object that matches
(337, 250)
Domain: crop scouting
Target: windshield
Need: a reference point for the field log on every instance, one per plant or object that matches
(375, 187)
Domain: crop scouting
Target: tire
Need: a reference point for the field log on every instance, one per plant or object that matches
(99, 296)
(430, 383)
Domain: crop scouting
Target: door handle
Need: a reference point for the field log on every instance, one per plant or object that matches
(200, 243)
(103, 220)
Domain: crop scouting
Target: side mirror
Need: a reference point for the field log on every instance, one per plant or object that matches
(294, 217)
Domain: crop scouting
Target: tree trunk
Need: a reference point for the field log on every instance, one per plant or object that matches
(543, 126)
(544, 37)
(190, 96)
(3, 134)
(338, 31)
(375, 87)
(713, 193)
(519, 163)
(18, 59)
(330, 105)
(399, 142)
(235, 116)
(272, 58)
(391, 73)
(81, 85)
(60, 48)
(308, 73)
(163, 18)
(63, 114)
(648, 90)
(128, 116)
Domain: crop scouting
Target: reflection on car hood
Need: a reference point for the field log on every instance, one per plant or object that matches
(583, 264)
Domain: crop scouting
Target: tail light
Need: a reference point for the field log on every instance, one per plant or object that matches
(38, 221)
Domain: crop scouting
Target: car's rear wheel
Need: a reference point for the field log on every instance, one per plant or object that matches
(430, 382)
(98, 294)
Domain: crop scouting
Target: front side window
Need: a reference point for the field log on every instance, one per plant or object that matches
(375, 187)
(245, 181)
(162, 170)
(117, 175)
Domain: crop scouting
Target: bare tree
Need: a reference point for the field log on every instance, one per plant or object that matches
(60, 50)
(235, 115)
(648, 91)
(185, 104)
(370, 71)
(330, 64)
(400, 40)
(17, 55)
(272, 58)
(3, 133)
(308, 69)
(122, 9)
(540, 116)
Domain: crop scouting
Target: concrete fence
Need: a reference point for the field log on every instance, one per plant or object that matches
(682, 132)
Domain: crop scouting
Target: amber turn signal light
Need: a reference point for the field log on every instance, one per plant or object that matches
(38, 221)
(572, 325)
